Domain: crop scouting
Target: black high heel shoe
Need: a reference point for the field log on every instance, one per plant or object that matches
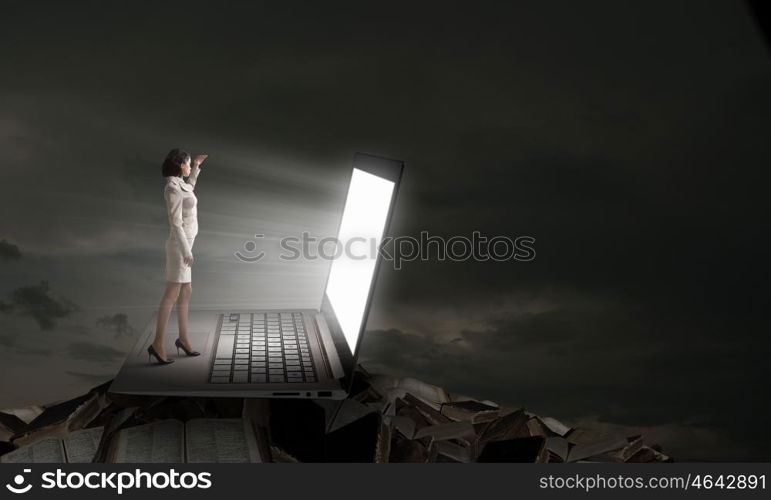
(180, 345)
(151, 352)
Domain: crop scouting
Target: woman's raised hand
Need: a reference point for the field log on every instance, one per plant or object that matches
(199, 159)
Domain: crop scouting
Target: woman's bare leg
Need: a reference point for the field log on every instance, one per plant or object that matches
(164, 311)
(184, 299)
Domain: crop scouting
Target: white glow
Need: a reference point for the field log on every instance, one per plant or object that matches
(364, 216)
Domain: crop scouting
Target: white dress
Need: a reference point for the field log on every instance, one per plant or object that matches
(181, 208)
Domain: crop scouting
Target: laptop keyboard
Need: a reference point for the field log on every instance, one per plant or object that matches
(262, 348)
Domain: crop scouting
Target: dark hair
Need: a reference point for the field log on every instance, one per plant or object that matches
(172, 165)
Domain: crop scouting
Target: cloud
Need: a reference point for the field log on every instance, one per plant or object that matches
(92, 352)
(11, 341)
(37, 302)
(8, 339)
(9, 251)
(34, 351)
(118, 323)
(75, 329)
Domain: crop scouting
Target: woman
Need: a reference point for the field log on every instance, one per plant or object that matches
(183, 221)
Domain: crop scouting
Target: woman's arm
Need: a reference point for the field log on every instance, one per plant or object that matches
(194, 174)
(173, 197)
(196, 164)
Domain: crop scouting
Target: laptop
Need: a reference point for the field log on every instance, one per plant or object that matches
(279, 353)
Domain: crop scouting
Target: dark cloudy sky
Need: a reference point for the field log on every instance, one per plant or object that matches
(631, 140)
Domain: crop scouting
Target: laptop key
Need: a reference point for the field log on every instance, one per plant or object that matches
(258, 379)
(225, 347)
(220, 380)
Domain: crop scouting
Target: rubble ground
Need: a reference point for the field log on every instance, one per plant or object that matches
(385, 419)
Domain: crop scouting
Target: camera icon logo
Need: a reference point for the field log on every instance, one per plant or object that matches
(249, 251)
(18, 481)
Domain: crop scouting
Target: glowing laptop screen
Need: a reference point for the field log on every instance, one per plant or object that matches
(361, 233)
